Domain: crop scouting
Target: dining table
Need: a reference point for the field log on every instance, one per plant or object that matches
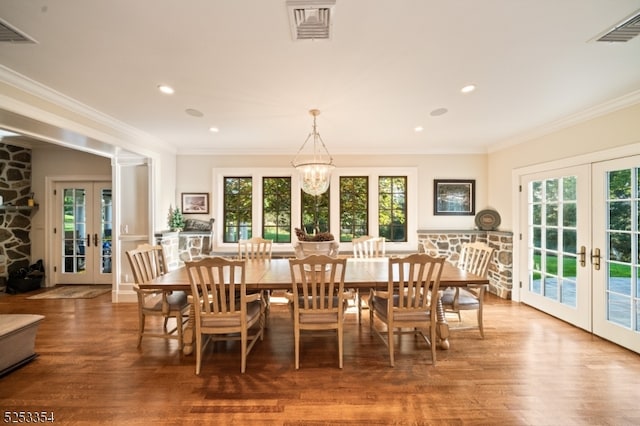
(274, 274)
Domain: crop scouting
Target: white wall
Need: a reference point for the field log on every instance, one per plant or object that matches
(609, 131)
(195, 174)
(56, 161)
(164, 189)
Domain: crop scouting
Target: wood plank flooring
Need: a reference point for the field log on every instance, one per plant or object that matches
(531, 369)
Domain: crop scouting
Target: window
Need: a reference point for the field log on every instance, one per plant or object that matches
(268, 201)
(237, 208)
(392, 207)
(354, 201)
(276, 210)
(315, 212)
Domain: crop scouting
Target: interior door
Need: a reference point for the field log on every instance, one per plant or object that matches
(84, 214)
(616, 251)
(555, 270)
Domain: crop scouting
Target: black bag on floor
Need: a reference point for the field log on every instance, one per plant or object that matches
(23, 280)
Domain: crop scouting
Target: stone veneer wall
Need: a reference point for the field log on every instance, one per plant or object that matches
(179, 247)
(15, 225)
(449, 243)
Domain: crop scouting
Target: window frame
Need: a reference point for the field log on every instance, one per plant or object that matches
(263, 180)
(373, 173)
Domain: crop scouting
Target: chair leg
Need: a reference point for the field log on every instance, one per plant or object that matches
(198, 352)
(243, 350)
(480, 325)
(359, 305)
(370, 316)
(141, 320)
(390, 344)
(179, 325)
(267, 306)
(340, 346)
(432, 334)
(296, 338)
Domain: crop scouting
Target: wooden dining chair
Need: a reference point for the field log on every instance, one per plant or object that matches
(474, 258)
(223, 309)
(255, 248)
(147, 262)
(409, 304)
(366, 247)
(318, 299)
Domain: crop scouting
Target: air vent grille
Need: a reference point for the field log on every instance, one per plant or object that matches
(624, 31)
(311, 20)
(12, 35)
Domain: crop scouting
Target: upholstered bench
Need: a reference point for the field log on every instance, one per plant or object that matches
(17, 340)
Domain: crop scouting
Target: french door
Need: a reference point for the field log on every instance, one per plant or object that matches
(556, 239)
(582, 245)
(616, 285)
(82, 235)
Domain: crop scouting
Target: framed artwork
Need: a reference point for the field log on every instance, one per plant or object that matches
(454, 197)
(195, 203)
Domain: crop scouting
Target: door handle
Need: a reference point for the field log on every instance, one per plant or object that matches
(95, 240)
(88, 240)
(582, 256)
(595, 259)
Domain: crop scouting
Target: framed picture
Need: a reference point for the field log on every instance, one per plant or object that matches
(454, 197)
(195, 203)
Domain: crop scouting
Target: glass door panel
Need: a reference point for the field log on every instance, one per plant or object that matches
(75, 230)
(552, 264)
(616, 194)
(106, 226)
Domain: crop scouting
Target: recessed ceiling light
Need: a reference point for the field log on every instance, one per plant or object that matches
(468, 88)
(167, 90)
(194, 112)
(438, 111)
(418, 129)
(214, 129)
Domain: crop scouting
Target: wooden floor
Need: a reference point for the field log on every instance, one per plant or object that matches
(530, 370)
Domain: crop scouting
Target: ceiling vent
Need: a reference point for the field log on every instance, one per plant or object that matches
(623, 31)
(12, 35)
(311, 19)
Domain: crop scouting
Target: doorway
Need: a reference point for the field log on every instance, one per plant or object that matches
(580, 246)
(555, 209)
(83, 227)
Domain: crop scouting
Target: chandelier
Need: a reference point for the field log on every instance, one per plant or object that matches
(314, 167)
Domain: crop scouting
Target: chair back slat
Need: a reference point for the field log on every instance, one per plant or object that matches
(414, 280)
(217, 284)
(147, 262)
(255, 248)
(366, 247)
(317, 282)
(475, 258)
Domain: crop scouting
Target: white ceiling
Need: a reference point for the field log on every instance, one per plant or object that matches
(389, 64)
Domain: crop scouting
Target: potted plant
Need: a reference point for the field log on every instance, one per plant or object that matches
(176, 220)
(318, 243)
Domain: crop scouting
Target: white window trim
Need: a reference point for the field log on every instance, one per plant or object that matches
(372, 173)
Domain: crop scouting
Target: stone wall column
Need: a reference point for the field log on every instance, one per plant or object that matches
(449, 243)
(15, 216)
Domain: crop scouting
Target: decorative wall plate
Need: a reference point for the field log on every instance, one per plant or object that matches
(487, 220)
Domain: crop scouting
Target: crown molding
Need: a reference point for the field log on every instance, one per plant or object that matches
(128, 134)
(604, 108)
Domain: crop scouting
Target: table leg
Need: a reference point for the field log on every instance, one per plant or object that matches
(187, 336)
(442, 327)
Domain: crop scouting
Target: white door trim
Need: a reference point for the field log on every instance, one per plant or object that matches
(49, 219)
